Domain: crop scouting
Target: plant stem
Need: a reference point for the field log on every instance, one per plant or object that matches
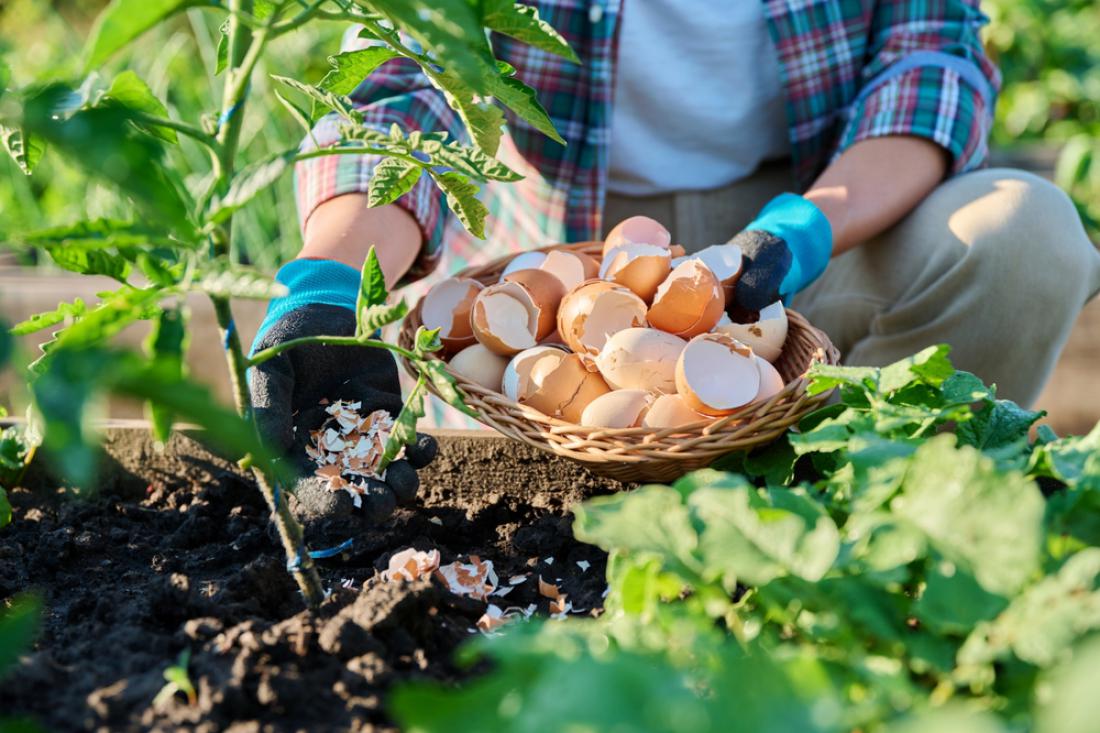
(181, 127)
(273, 351)
(322, 152)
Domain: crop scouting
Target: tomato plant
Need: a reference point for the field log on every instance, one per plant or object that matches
(179, 238)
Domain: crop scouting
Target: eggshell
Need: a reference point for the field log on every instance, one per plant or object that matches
(637, 230)
(523, 261)
(724, 260)
(765, 336)
(526, 371)
(670, 411)
(641, 358)
(623, 408)
(771, 383)
(716, 374)
(594, 310)
(567, 389)
(447, 307)
(480, 366)
(640, 267)
(504, 318)
(689, 302)
(546, 292)
(572, 268)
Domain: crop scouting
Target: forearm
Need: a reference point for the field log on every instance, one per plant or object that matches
(344, 229)
(874, 184)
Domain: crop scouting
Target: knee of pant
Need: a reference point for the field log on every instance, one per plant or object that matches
(1025, 231)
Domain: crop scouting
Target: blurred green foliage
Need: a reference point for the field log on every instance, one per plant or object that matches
(1047, 50)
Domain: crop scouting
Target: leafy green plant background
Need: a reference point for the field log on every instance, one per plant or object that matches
(1047, 50)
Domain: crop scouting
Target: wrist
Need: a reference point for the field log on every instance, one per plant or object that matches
(311, 282)
(808, 234)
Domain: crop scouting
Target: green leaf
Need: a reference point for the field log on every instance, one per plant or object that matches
(301, 115)
(404, 426)
(351, 68)
(90, 261)
(931, 366)
(952, 601)
(247, 184)
(471, 161)
(124, 20)
(5, 507)
(222, 279)
(426, 341)
(323, 100)
(462, 198)
(1075, 460)
(375, 317)
(1069, 703)
(18, 628)
(372, 294)
(986, 521)
(824, 377)
(26, 149)
(445, 385)
(998, 425)
(392, 179)
(521, 99)
(102, 234)
(483, 119)
(130, 91)
(166, 346)
(38, 321)
(523, 23)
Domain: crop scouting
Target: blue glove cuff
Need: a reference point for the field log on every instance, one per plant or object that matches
(311, 281)
(808, 234)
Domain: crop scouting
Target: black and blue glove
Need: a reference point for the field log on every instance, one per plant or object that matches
(289, 389)
(785, 249)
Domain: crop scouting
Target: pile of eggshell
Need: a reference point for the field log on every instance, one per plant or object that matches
(642, 339)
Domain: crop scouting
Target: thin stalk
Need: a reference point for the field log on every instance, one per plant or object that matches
(323, 152)
(271, 352)
(181, 127)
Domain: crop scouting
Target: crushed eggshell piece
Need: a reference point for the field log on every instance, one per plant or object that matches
(476, 579)
(492, 619)
(548, 590)
(410, 564)
(348, 447)
(583, 565)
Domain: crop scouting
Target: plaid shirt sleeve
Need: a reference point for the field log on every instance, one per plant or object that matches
(397, 92)
(927, 76)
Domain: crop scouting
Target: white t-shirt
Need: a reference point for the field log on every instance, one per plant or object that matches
(698, 97)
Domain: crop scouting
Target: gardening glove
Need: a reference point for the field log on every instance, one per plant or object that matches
(785, 249)
(288, 389)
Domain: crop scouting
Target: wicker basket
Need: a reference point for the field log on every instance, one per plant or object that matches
(645, 454)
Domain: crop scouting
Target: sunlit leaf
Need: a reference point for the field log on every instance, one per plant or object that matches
(392, 179)
(90, 261)
(129, 90)
(372, 294)
(247, 184)
(445, 385)
(483, 120)
(102, 234)
(124, 20)
(351, 68)
(323, 100)
(521, 99)
(26, 149)
(404, 426)
(375, 317)
(50, 318)
(462, 198)
(222, 279)
(523, 23)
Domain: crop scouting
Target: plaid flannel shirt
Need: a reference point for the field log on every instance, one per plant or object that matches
(852, 70)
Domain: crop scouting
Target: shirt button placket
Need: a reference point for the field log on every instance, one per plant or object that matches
(595, 12)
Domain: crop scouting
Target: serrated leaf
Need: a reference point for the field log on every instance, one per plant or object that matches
(129, 90)
(521, 99)
(462, 198)
(824, 377)
(375, 317)
(38, 321)
(159, 271)
(90, 261)
(392, 179)
(300, 115)
(323, 100)
(523, 23)
(445, 385)
(930, 366)
(372, 294)
(166, 346)
(102, 234)
(471, 161)
(124, 20)
(404, 426)
(483, 120)
(998, 425)
(426, 341)
(247, 184)
(351, 68)
(24, 148)
(225, 280)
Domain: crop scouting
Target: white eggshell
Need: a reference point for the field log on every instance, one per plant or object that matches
(622, 408)
(771, 383)
(715, 374)
(525, 372)
(481, 366)
(641, 358)
(670, 411)
(765, 336)
(523, 261)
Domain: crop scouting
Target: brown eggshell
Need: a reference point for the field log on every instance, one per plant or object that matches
(480, 366)
(546, 292)
(637, 230)
(523, 261)
(689, 302)
(641, 358)
(640, 267)
(594, 310)
(504, 318)
(771, 383)
(447, 307)
(572, 268)
(724, 260)
(622, 408)
(765, 333)
(527, 370)
(670, 411)
(567, 390)
(716, 374)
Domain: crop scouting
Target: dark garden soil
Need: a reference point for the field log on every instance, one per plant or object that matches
(174, 552)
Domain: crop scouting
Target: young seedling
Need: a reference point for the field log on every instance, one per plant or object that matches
(180, 237)
(178, 680)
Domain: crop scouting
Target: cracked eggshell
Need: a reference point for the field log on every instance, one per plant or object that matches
(765, 336)
(480, 366)
(523, 261)
(527, 370)
(567, 389)
(595, 310)
(671, 411)
(623, 408)
(504, 318)
(771, 383)
(447, 307)
(640, 267)
(716, 374)
(546, 292)
(689, 302)
(641, 358)
(724, 260)
(572, 268)
(637, 230)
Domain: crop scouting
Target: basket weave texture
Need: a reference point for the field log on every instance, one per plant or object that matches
(645, 454)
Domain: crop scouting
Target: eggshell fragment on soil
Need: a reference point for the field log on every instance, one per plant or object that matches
(689, 302)
(447, 307)
(641, 358)
(595, 310)
(410, 564)
(671, 411)
(716, 374)
(480, 366)
(765, 336)
(523, 261)
(476, 579)
(623, 408)
(571, 268)
(771, 383)
(640, 267)
(526, 371)
(567, 389)
(637, 230)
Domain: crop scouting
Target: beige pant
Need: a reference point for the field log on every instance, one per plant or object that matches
(994, 263)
